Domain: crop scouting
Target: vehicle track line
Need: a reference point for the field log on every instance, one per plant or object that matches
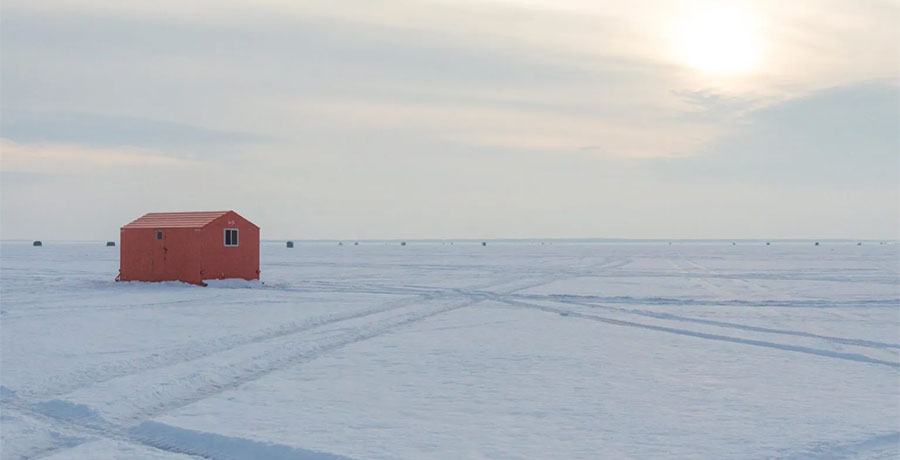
(195, 350)
(94, 375)
(669, 316)
(292, 359)
(91, 433)
(855, 357)
(230, 375)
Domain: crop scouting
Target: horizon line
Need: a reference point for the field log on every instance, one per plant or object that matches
(468, 239)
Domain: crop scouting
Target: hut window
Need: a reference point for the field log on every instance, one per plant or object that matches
(159, 235)
(231, 237)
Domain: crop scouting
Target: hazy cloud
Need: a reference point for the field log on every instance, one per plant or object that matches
(76, 159)
(382, 118)
(847, 136)
(169, 138)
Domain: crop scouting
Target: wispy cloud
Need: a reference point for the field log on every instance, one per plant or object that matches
(78, 159)
(169, 138)
(845, 137)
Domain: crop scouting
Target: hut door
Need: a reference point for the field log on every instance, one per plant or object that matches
(160, 253)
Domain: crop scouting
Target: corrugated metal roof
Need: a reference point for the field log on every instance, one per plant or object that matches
(176, 219)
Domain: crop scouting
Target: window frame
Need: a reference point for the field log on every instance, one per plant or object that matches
(237, 239)
(159, 235)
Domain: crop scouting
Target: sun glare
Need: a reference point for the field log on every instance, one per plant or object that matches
(719, 40)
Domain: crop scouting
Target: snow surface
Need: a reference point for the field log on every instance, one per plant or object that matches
(516, 350)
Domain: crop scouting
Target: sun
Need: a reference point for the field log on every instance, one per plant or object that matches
(719, 40)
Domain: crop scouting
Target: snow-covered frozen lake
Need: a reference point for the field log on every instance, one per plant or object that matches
(436, 351)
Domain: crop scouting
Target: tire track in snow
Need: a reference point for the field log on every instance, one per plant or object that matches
(67, 383)
(736, 278)
(73, 381)
(61, 437)
(703, 335)
(220, 377)
(684, 273)
(227, 375)
(610, 263)
(212, 445)
(187, 444)
(67, 429)
(276, 356)
(892, 281)
(669, 316)
(172, 393)
(670, 301)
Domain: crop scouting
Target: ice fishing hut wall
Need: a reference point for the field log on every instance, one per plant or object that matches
(189, 247)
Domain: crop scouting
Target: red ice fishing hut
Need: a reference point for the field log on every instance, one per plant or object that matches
(189, 247)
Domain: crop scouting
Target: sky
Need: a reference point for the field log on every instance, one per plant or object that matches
(369, 119)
